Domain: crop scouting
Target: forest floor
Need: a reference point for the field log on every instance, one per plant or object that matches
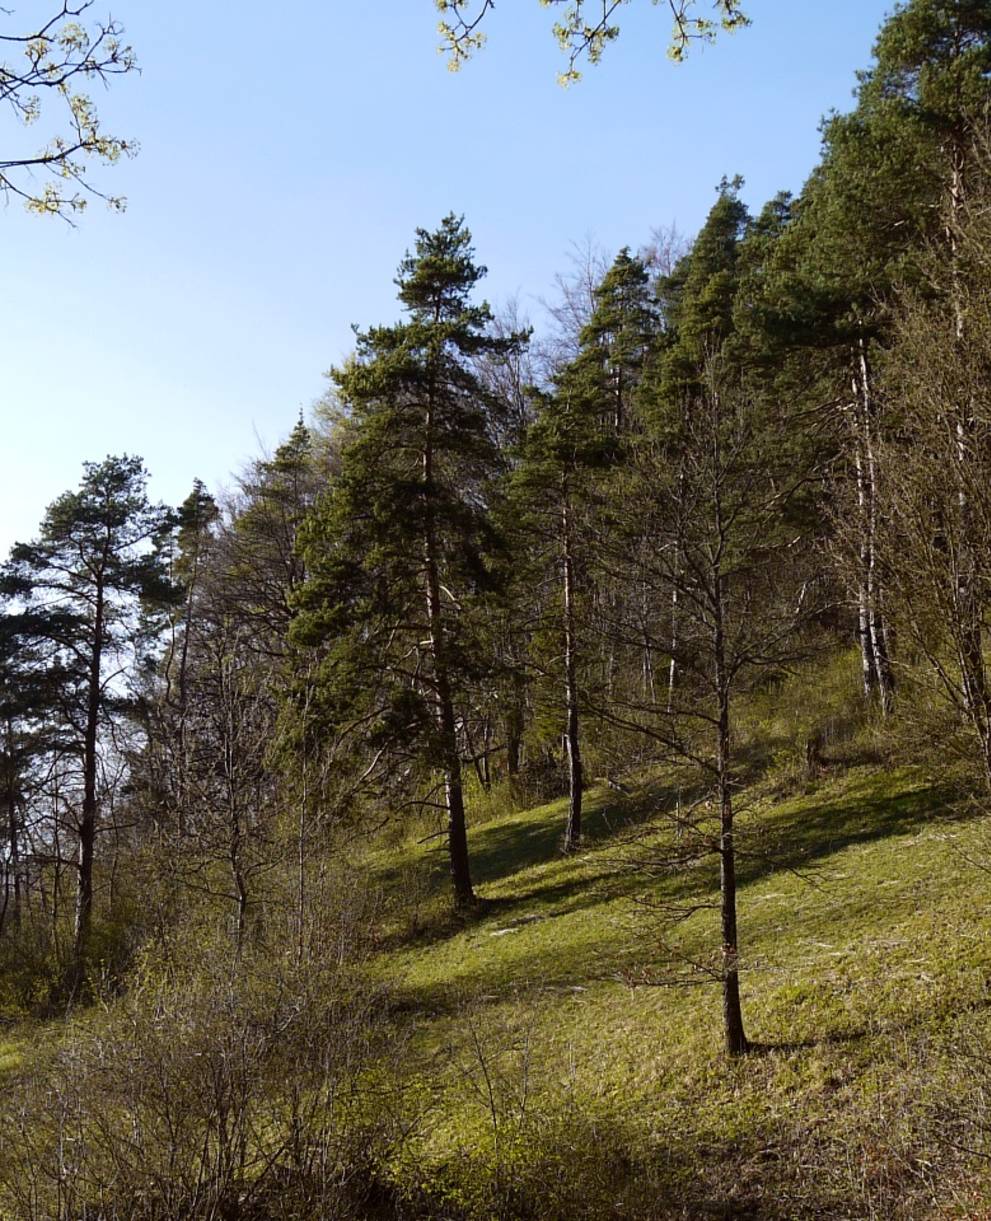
(566, 1043)
(558, 1052)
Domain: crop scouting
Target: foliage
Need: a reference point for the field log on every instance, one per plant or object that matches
(401, 552)
(579, 35)
(715, 564)
(56, 60)
(214, 1085)
(865, 997)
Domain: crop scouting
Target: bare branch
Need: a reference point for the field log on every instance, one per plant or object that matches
(53, 62)
(583, 36)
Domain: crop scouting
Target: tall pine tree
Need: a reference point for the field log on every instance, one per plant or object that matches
(92, 576)
(398, 553)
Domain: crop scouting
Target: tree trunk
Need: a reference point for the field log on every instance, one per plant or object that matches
(515, 718)
(649, 686)
(487, 754)
(182, 735)
(457, 827)
(969, 613)
(875, 655)
(573, 831)
(736, 1039)
(233, 747)
(618, 421)
(673, 667)
(867, 663)
(878, 630)
(12, 890)
(87, 821)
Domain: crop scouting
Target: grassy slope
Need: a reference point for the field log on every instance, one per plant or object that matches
(865, 934)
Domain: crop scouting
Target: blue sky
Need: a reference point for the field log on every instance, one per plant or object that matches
(287, 157)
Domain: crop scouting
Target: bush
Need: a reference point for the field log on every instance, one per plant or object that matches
(28, 970)
(217, 1086)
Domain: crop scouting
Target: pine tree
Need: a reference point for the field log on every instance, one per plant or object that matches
(399, 552)
(616, 340)
(263, 566)
(97, 584)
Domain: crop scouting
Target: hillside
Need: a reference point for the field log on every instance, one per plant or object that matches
(556, 1054)
(560, 1068)
(551, 782)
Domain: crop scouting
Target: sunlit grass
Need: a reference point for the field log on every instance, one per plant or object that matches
(864, 937)
(11, 1055)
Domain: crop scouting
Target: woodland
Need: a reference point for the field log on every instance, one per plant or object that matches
(554, 783)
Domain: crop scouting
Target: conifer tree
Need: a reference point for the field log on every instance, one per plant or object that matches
(399, 551)
(263, 566)
(616, 340)
(576, 435)
(566, 442)
(91, 579)
(166, 764)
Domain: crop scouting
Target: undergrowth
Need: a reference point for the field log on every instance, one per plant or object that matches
(557, 1052)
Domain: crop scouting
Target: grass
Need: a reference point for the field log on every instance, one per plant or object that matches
(559, 1049)
(867, 963)
(11, 1055)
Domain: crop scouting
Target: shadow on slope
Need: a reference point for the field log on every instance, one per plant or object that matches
(547, 932)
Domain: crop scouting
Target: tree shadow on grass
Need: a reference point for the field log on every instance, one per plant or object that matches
(801, 837)
(795, 841)
(799, 840)
(921, 1020)
(498, 852)
(860, 815)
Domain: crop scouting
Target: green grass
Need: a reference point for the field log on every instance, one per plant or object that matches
(11, 1055)
(560, 1054)
(866, 942)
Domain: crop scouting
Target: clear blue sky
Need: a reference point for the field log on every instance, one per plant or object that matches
(289, 152)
